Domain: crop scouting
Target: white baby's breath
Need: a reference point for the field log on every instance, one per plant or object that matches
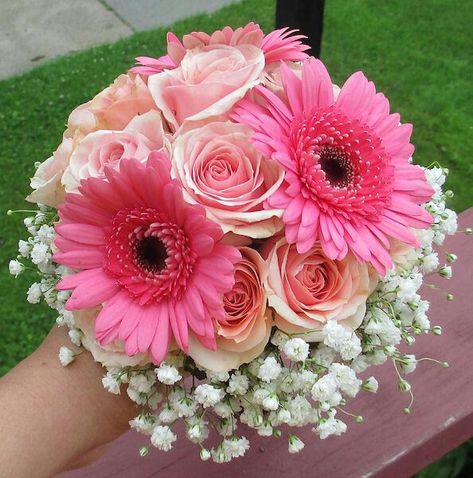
(66, 356)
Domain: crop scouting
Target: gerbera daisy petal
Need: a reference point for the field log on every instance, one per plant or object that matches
(147, 327)
(91, 291)
(317, 85)
(293, 90)
(160, 344)
(179, 325)
(84, 258)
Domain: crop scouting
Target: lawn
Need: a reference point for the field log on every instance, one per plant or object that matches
(417, 51)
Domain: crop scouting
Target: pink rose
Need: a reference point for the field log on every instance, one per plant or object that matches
(307, 290)
(208, 82)
(220, 169)
(113, 108)
(244, 333)
(102, 148)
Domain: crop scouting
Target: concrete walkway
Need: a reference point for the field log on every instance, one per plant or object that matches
(33, 31)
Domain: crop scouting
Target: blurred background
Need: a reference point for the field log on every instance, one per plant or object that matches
(56, 54)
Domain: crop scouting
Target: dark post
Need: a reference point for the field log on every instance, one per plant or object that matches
(305, 15)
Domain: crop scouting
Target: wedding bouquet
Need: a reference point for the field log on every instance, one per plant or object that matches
(235, 238)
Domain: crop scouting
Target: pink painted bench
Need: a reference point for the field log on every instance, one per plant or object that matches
(388, 444)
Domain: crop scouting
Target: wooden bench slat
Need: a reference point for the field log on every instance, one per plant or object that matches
(388, 444)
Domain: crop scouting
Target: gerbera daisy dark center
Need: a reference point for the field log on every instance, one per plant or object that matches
(336, 165)
(151, 254)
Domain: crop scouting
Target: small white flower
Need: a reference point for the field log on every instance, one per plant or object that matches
(296, 349)
(40, 253)
(207, 395)
(76, 336)
(63, 295)
(236, 447)
(449, 223)
(324, 388)
(360, 364)
(451, 257)
(252, 417)
(345, 378)
(430, 262)
(378, 357)
(184, 405)
(135, 396)
(15, 267)
(279, 339)
(220, 456)
(111, 384)
(306, 380)
(141, 383)
(217, 376)
(227, 426)
(223, 409)
(265, 430)
(28, 221)
(205, 454)
(350, 348)
(238, 384)
(295, 444)
(301, 411)
(331, 426)
(143, 423)
(66, 317)
(270, 402)
(379, 323)
(163, 437)
(370, 385)
(167, 374)
(167, 415)
(269, 369)
(24, 248)
(408, 363)
(66, 356)
(284, 416)
(46, 234)
(446, 272)
(196, 430)
(34, 293)
(324, 355)
(404, 386)
(342, 340)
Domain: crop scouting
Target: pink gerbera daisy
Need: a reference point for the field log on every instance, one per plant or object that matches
(278, 45)
(349, 179)
(153, 261)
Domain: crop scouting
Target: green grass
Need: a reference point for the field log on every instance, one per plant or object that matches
(417, 51)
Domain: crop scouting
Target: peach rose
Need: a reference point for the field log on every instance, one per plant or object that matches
(102, 148)
(307, 290)
(113, 108)
(220, 169)
(272, 78)
(46, 183)
(208, 82)
(111, 355)
(244, 332)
